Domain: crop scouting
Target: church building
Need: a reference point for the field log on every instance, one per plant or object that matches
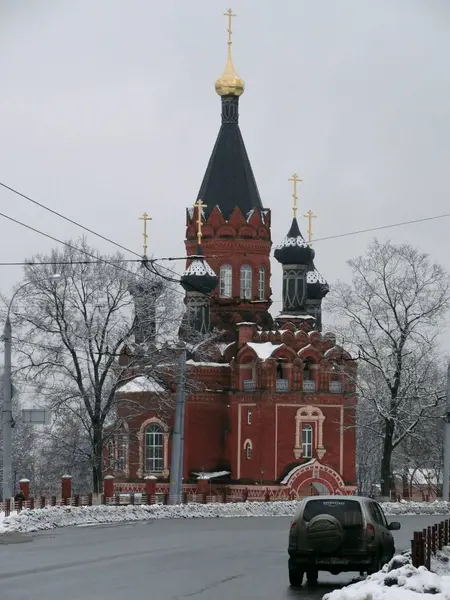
(275, 405)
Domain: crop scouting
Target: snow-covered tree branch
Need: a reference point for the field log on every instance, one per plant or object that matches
(391, 317)
(79, 339)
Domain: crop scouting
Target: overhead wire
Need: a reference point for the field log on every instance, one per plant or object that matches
(146, 262)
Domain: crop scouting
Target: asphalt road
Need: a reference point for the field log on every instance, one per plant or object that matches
(203, 559)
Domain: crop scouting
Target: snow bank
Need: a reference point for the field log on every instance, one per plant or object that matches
(439, 507)
(399, 580)
(51, 517)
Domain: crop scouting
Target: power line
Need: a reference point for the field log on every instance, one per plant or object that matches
(96, 258)
(58, 214)
(400, 224)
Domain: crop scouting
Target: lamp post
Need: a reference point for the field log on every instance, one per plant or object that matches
(7, 396)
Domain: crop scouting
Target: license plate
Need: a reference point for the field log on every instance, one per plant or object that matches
(332, 561)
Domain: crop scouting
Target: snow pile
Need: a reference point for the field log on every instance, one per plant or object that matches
(52, 517)
(439, 507)
(398, 580)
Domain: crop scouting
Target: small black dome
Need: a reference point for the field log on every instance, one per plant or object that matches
(294, 250)
(317, 286)
(199, 277)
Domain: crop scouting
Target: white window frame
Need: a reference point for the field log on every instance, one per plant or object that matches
(248, 447)
(226, 281)
(262, 283)
(307, 441)
(249, 417)
(153, 462)
(246, 282)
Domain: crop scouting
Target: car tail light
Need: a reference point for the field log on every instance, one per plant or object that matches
(370, 530)
(293, 524)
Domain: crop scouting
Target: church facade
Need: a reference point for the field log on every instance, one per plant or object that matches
(275, 402)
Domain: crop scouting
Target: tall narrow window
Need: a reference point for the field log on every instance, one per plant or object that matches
(246, 282)
(154, 448)
(248, 449)
(225, 281)
(307, 441)
(121, 451)
(262, 283)
(249, 417)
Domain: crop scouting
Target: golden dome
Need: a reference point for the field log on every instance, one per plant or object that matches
(229, 83)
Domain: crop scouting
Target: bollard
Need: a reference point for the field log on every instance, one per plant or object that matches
(108, 486)
(66, 488)
(24, 486)
(150, 488)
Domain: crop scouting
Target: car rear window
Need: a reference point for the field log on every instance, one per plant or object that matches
(347, 512)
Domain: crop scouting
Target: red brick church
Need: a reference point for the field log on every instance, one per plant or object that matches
(276, 403)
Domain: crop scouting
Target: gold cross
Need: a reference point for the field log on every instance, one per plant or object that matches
(310, 216)
(199, 204)
(145, 218)
(295, 179)
(230, 16)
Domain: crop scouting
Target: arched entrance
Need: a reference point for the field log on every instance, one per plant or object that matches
(313, 478)
(313, 488)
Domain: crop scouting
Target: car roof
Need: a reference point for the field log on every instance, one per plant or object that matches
(359, 499)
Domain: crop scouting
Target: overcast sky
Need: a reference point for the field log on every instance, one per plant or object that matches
(108, 110)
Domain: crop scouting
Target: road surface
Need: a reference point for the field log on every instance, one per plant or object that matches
(217, 559)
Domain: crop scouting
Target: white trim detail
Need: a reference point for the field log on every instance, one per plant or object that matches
(308, 414)
(239, 436)
(248, 446)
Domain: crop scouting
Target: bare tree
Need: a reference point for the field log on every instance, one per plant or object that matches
(391, 317)
(82, 337)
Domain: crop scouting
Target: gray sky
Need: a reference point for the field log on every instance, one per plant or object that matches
(108, 109)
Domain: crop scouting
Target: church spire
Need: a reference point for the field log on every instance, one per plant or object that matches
(229, 181)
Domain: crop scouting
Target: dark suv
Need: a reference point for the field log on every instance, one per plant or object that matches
(338, 533)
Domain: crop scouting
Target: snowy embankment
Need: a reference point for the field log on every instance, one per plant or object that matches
(52, 517)
(399, 580)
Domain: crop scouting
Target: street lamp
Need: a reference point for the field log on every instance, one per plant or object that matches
(7, 395)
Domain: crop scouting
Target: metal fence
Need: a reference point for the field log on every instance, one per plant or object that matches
(427, 542)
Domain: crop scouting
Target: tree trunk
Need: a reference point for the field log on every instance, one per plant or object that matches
(97, 459)
(386, 459)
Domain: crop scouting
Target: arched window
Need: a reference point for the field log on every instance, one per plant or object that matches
(248, 449)
(154, 448)
(309, 432)
(226, 275)
(262, 283)
(246, 282)
(307, 441)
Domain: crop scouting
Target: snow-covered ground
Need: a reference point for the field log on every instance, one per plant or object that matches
(51, 517)
(399, 580)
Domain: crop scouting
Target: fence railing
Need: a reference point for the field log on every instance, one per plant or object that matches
(427, 542)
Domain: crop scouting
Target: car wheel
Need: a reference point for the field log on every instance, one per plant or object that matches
(312, 577)
(295, 577)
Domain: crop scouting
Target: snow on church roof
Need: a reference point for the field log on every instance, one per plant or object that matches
(264, 350)
(141, 384)
(207, 476)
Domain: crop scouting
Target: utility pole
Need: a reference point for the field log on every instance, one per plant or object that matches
(180, 478)
(176, 474)
(446, 474)
(7, 415)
